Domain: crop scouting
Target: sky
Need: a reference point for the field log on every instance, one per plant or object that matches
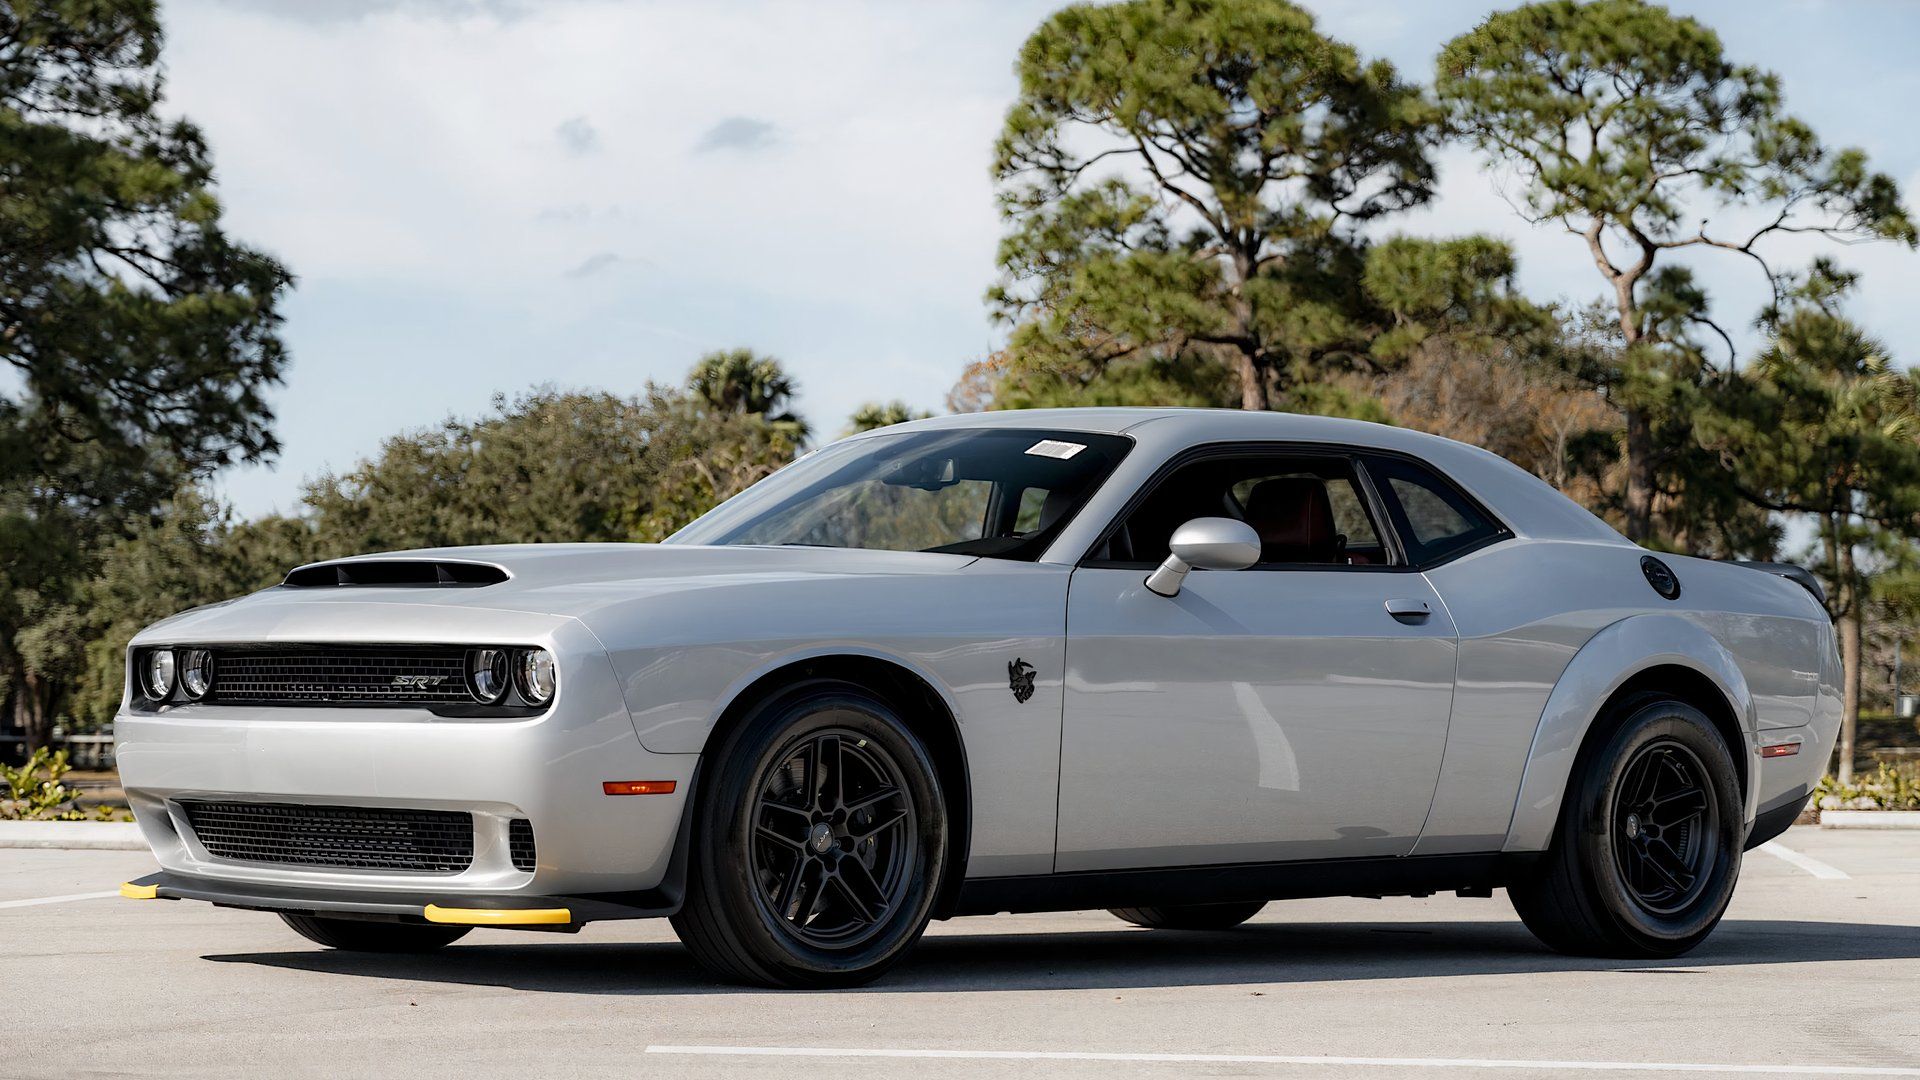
(480, 196)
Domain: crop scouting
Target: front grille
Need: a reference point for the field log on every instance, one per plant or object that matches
(308, 675)
(520, 844)
(348, 837)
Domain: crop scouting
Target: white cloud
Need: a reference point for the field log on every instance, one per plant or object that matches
(429, 154)
(594, 264)
(578, 135)
(738, 133)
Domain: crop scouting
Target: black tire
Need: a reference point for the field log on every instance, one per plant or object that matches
(366, 935)
(805, 875)
(1190, 916)
(1647, 850)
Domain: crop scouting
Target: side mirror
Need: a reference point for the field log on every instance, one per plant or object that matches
(1210, 543)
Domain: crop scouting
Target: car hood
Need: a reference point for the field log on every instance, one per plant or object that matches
(548, 581)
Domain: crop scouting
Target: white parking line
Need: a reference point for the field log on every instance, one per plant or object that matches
(1810, 865)
(1288, 1059)
(38, 900)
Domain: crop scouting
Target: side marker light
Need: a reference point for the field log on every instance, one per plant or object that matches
(639, 787)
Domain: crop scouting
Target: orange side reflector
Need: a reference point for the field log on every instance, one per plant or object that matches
(1785, 749)
(638, 787)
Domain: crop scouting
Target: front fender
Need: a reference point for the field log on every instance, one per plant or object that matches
(1601, 667)
(776, 661)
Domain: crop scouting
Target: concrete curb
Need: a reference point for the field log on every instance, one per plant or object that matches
(1870, 819)
(72, 835)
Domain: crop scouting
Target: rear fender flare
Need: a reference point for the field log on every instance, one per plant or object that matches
(1599, 669)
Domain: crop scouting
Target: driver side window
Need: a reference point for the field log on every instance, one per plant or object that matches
(1309, 510)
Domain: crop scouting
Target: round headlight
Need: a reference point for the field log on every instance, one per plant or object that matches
(196, 673)
(487, 674)
(159, 674)
(535, 676)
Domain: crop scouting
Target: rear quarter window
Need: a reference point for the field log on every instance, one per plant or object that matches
(1436, 521)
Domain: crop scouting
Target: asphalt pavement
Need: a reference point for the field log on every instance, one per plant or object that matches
(1815, 971)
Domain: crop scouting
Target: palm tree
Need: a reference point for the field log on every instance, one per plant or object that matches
(877, 414)
(742, 381)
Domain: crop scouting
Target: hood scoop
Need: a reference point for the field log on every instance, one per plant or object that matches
(397, 573)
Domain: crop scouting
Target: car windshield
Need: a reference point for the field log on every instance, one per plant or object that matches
(999, 492)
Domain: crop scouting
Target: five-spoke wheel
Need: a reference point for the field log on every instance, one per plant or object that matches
(1664, 821)
(820, 841)
(1648, 846)
(833, 838)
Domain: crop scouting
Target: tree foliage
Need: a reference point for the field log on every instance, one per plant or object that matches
(742, 382)
(139, 336)
(1184, 181)
(1630, 128)
(879, 414)
(129, 315)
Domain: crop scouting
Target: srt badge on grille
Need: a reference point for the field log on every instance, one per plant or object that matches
(1020, 679)
(418, 682)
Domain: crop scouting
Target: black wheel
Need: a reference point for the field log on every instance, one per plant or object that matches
(819, 843)
(1647, 851)
(366, 935)
(1190, 916)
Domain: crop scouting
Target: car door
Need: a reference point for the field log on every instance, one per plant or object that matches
(1297, 709)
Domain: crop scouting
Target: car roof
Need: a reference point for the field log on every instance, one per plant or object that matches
(1526, 504)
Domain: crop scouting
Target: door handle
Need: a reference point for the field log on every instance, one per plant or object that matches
(1409, 611)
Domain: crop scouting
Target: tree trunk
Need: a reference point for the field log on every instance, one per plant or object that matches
(1850, 695)
(1850, 643)
(32, 712)
(1253, 383)
(1250, 360)
(1640, 473)
(1640, 477)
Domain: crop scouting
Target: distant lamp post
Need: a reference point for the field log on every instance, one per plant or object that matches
(1905, 706)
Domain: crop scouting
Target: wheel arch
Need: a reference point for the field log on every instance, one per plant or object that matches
(926, 709)
(1645, 653)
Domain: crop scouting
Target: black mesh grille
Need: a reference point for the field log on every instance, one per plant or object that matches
(307, 675)
(351, 837)
(520, 844)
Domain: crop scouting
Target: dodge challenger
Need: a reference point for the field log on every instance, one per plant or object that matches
(1170, 663)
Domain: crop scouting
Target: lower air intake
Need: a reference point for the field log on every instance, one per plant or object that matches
(344, 837)
(520, 844)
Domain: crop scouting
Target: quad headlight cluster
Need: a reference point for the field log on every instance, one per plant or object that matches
(162, 671)
(491, 672)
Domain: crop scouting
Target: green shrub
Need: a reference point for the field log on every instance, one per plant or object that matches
(34, 792)
(1889, 787)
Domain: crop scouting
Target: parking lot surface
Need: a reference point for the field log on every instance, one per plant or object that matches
(1815, 971)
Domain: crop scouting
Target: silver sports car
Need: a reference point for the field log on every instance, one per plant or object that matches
(1172, 663)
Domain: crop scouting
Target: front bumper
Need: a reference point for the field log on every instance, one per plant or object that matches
(516, 910)
(547, 769)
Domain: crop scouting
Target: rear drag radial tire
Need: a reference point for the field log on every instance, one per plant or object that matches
(366, 935)
(1190, 916)
(1581, 900)
(728, 922)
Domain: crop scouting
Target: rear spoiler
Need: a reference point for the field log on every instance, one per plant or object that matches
(1799, 575)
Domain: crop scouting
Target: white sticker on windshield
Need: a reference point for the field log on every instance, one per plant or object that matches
(1054, 448)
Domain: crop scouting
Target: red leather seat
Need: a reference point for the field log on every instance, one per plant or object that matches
(1294, 518)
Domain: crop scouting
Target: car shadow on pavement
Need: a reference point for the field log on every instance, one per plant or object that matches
(1260, 953)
